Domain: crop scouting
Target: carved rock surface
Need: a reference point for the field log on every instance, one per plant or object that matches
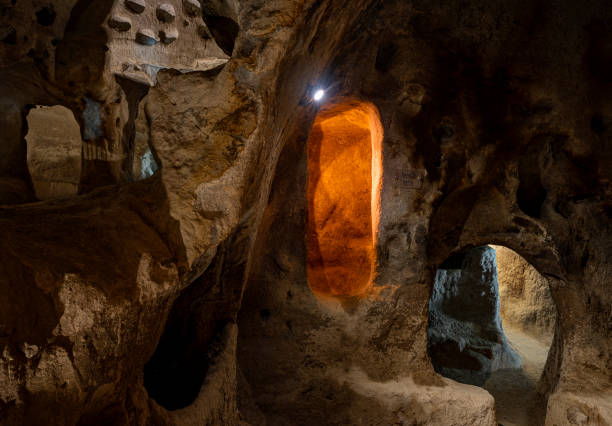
(496, 116)
(192, 7)
(524, 295)
(54, 152)
(120, 23)
(146, 37)
(181, 47)
(169, 35)
(136, 6)
(466, 339)
(165, 12)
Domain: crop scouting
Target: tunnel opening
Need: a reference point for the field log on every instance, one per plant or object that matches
(343, 198)
(474, 292)
(194, 338)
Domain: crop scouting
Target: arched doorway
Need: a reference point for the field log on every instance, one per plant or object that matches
(491, 324)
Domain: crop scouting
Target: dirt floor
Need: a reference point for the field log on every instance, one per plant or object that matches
(516, 401)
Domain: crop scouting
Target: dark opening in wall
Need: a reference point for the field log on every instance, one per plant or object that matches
(224, 31)
(190, 344)
(385, 55)
(45, 16)
(174, 375)
(473, 291)
(531, 193)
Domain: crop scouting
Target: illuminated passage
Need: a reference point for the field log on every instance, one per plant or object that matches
(344, 179)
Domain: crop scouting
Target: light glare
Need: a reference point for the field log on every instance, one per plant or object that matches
(319, 94)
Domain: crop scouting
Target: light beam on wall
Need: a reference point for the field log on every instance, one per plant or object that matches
(343, 191)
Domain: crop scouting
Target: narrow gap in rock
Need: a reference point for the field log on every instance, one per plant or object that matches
(136, 144)
(175, 373)
(531, 193)
(224, 30)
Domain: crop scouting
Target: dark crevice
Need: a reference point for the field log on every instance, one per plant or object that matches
(45, 16)
(175, 373)
(134, 92)
(192, 338)
(224, 31)
(384, 56)
(531, 193)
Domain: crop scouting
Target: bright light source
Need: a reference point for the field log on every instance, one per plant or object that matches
(319, 95)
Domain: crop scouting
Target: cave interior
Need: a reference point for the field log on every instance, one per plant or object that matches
(305, 212)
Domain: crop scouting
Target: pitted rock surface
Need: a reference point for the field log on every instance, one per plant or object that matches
(120, 23)
(192, 7)
(165, 13)
(136, 6)
(169, 35)
(146, 37)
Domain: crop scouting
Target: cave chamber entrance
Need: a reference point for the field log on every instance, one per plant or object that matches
(474, 292)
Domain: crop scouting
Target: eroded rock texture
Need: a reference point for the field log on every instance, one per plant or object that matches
(54, 152)
(174, 37)
(525, 298)
(188, 226)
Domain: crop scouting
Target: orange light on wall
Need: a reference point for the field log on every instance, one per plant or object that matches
(343, 190)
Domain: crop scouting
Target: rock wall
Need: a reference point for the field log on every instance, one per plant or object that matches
(355, 360)
(148, 35)
(54, 152)
(496, 118)
(104, 268)
(474, 155)
(525, 297)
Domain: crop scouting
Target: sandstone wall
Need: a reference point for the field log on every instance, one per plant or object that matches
(311, 360)
(54, 152)
(105, 268)
(525, 297)
(497, 121)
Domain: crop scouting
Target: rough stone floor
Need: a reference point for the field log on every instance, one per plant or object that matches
(516, 401)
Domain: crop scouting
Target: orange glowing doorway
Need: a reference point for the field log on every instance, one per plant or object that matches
(343, 192)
